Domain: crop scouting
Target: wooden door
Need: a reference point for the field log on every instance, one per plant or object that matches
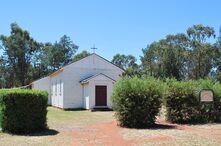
(100, 95)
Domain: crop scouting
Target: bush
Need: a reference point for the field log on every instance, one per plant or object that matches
(23, 111)
(137, 101)
(183, 104)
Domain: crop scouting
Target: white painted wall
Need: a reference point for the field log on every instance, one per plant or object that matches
(43, 84)
(82, 69)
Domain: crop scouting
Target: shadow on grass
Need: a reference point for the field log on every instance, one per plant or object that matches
(101, 110)
(161, 126)
(46, 132)
(74, 109)
(153, 127)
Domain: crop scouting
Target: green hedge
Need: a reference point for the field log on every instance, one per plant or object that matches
(137, 101)
(23, 111)
(183, 104)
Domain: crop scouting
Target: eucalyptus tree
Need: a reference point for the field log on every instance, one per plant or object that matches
(128, 63)
(81, 55)
(167, 57)
(3, 73)
(58, 54)
(18, 49)
(202, 53)
(152, 59)
(217, 45)
(175, 57)
(125, 61)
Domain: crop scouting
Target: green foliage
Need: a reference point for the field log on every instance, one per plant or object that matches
(23, 111)
(81, 55)
(137, 101)
(65, 49)
(125, 61)
(166, 58)
(128, 63)
(217, 62)
(187, 55)
(18, 49)
(24, 59)
(183, 104)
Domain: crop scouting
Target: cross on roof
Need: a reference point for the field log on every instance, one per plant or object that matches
(93, 48)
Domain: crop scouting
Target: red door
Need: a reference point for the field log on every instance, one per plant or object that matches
(101, 95)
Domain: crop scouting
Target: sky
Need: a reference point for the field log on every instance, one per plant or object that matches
(114, 26)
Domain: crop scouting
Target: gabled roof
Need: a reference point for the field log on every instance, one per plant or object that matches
(84, 58)
(85, 80)
(91, 55)
(108, 61)
(61, 69)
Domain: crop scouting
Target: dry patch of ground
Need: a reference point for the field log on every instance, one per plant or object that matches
(73, 128)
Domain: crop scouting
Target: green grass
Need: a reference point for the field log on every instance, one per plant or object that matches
(74, 119)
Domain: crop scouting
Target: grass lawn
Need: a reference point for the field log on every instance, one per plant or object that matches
(100, 128)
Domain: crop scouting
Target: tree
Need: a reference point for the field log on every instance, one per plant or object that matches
(58, 54)
(201, 52)
(166, 58)
(81, 55)
(174, 58)
(25, 59)
(18, 49)
(128, 63)
(217, 46)
(182, 56)
(40, 64)
(124, 61)
(3, 73)
(151, 60)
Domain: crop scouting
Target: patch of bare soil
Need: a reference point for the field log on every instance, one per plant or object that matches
(109, 134)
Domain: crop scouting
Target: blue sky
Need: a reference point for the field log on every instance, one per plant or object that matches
(114, 26)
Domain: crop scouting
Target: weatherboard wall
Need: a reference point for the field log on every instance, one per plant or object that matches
(75, 72)
(43, 84)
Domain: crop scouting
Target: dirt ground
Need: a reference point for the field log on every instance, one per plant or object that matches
(110, 134)
(85, 128)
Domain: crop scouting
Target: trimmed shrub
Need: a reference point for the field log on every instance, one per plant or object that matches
(23, 111)
(137, 101)
(183, 103)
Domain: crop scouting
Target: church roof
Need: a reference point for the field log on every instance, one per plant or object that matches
(61, 69)
(84, 58)
(99, 57)
(85, 80)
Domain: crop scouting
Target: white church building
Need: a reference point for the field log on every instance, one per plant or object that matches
(86, 83)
